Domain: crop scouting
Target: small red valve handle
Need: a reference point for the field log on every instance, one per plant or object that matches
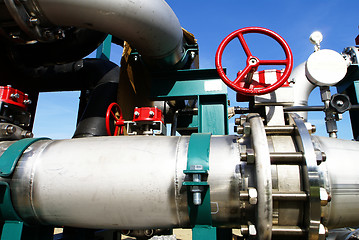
(114, 115)
(254, 62)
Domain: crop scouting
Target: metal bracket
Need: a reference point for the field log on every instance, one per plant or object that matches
(198, 165)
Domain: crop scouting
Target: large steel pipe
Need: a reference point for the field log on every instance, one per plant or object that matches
(150, 26)
(340, 169)
(137, 183)
(120, 182)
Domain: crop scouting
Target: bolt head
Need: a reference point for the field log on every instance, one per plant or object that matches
(324, 197)
(322, 232)
(253, 196)
(246, 128)
(252, 230)
(250, 156)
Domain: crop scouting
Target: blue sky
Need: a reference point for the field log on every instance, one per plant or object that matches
(210, 22)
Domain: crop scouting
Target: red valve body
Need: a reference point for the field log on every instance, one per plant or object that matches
(13, 96)
(148, 114)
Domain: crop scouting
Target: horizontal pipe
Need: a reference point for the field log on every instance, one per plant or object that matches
(120, 182)
(137, 183)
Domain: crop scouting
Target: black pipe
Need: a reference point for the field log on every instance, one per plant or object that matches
(99, 77)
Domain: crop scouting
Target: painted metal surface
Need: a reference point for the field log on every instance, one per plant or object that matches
(253, 62)
(104, 50)
(203, 85)
(198, 164)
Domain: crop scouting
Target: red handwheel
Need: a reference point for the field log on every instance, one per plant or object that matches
(254, 62)
(114, 116)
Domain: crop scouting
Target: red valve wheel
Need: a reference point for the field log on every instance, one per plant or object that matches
(253, 62)
(114, 115)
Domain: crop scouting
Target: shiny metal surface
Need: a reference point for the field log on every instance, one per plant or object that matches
(121, 182)
(340, 169)
(149, 26)
(301, 88)
(310, 176)
(108, 182)
(286, 178)
(225, 180)
(263, 177)
(136, 182)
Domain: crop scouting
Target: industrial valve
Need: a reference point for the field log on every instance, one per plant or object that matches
(13, 114)
(243, 83)
(146, 121)
(114, 114)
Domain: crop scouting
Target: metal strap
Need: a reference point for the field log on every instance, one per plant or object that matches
(11, 156)
(198, 163)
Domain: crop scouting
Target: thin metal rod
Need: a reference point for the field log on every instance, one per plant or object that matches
(312, 108)
(286, 157)
(288, 231)
(303, 108)
(272, 129)
(289, 196)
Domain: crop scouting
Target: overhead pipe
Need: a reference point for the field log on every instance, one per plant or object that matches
(151, 27)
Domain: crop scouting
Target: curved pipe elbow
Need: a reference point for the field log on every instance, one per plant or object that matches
(302, 88)
(151, 27)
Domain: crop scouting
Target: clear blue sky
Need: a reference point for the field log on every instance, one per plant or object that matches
(210, 22)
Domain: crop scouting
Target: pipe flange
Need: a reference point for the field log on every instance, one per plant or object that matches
(264, 177)
(312, 216)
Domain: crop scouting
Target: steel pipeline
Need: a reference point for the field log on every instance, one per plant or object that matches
(136, 182)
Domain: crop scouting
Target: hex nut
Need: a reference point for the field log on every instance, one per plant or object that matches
(242, 119)
(324, 197)
(246, 128)
(250, 156)
(252, 196)
(252, 230)
(322, 232)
